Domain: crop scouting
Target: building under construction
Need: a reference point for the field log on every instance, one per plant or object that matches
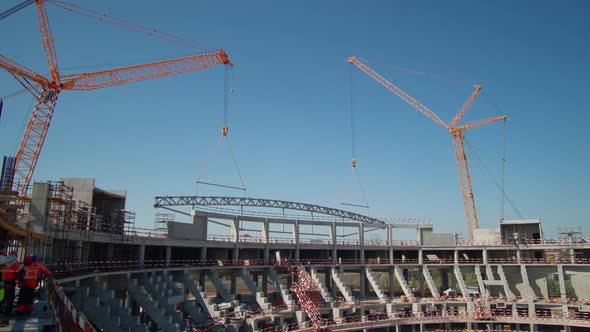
(219, 263)
(245, 264)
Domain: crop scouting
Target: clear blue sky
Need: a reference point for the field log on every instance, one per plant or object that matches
(289, 114)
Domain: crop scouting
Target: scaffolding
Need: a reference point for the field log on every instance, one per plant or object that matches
(161, 221)
(62, 217)
(575, 238)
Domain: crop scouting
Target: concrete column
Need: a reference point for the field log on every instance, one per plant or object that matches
(296, 240)
(329, 281)
(266, 254)
(363, 284)
(518, 256)
(235, 253)
(391, 255)
(234, 283)
(420, 257)
(235, 230)
(203, 254)
(485, 256)
(141, 254)
(266, 231)
(421, 279)
(389, 234)
(333, 238)
(296, 232)
(456, 256)
(110, 251)
(444, 279)
(79, 251)
(391, 276)
(202, 279)
(168, 255)
(561, 275)
(362, 241)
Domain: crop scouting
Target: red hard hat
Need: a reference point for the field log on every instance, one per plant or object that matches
(28, 260)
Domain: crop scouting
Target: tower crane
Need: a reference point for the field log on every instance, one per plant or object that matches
(455, 130)
(46, 90)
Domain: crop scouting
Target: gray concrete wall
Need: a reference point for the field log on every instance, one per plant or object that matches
(486, 234)
(83, 188)
(184, 231)
(580, 279)
(514, 279)
(39, 205)
(538, 278)
(433, 239)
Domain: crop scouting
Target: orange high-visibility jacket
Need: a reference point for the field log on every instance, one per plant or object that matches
(42, 269)
(9, 271)
(29, 276)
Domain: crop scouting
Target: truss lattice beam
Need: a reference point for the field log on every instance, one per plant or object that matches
(259, 202)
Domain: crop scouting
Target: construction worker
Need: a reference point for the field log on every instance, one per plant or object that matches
(9, 271)
(43, 272)
(28, 278)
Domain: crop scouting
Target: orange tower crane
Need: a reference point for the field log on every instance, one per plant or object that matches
(456, 133)
(46, 90)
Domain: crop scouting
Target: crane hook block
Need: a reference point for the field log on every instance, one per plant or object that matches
(224, 130)
(353, 162)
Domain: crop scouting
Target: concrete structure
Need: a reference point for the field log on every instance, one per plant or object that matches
(222, 268)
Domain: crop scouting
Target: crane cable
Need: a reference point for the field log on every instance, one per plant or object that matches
(414, 72)
(355, 171)
(493, 178)
(103, 17)
(228, 76)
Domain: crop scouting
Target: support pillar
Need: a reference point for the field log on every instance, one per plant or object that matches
(266, 231)
(362, 241)
(333, 240)
(391, 276)
(233, 283)
(421, 280)
(445, 279)
(561, 276)
(456, 256)
(296, 240)
(79, 250)
(141, 254)
(168, 255)
(203, 256)
(420, 257)
(235, 230)
(363, 284)
(266, 239)
(110, 251)
(389, 235)
(485, 256)
(329, 281)
(391, 255)
(235, 253)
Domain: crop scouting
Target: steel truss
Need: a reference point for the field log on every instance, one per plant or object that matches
(166, 201)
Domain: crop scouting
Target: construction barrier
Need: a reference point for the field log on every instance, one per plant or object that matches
(68, 317)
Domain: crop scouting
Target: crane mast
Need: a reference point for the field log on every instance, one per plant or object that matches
(456, 133)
